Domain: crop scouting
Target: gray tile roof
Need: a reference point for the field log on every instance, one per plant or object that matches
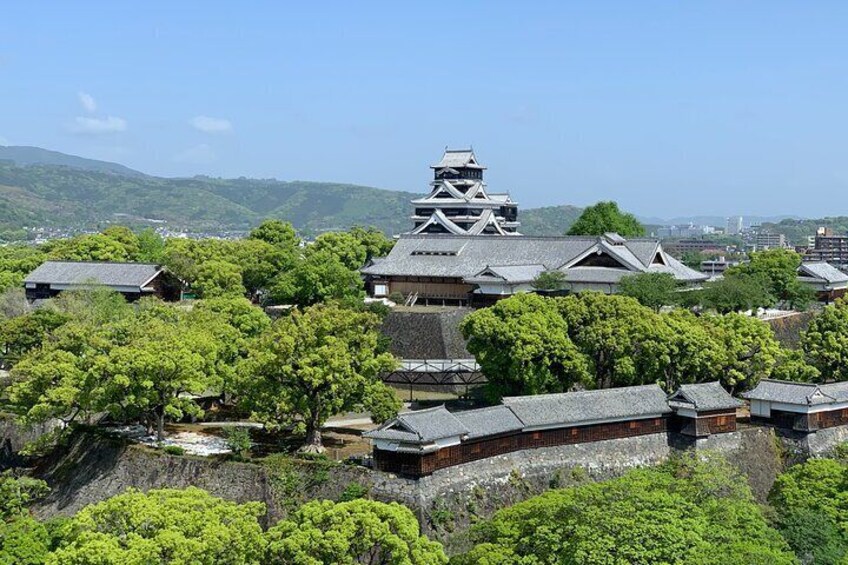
(579, 408)
(703, 397)
(824, 271)
(79, 272)
(803, 394)
(508, 273)
(458, 158)
(424, 426)
(489, 421)
(480, 252)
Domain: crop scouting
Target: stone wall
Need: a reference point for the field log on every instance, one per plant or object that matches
(94, 467)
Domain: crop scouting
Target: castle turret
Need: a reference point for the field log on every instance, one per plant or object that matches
(458, 202)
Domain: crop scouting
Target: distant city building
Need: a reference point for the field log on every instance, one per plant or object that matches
(474, 270)
(459, 203)
(829, 247)
(734, 225)
(133, 280)
(691, 230)
(768, 240)
(715, 267)
(694, 246)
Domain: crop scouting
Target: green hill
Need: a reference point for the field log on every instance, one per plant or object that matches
(23, 155)
(50, 189)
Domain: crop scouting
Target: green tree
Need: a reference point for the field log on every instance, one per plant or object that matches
(163, 355)
(793, 366)
(90, 247)
(346, 533)
(825, 341)
(277, 233)
(23, 540)
(16, 262)
(751, 351)
(163, 526)
(653, 290)
(375, 241)
(320, 277)
(810, 501)
(125, 237)
(691, 510)
(23, 333)
(736, 293)
(218, 278)
(523, 347)
(779, 269)
(312, 365)
(549, 281)
(239, 312)
(346, 247)
(605, 217)
(625, 342)
(151, 246)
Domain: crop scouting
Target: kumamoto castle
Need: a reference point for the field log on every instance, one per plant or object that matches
(465, 250)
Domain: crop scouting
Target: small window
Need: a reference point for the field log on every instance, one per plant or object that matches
(381, 289)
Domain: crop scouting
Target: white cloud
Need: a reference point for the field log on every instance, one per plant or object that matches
(4, 141)
(201, 154)
(109, 124)
(88, 102)
(211, 125)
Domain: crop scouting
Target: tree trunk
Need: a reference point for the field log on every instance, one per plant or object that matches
(160, 423)
(313, 436)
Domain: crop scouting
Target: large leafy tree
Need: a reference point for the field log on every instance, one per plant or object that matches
(163, 526)
(125, 237)
(825, 341)
(523, 346)
(810, 501)
(136, 366)
(375, 241)
(89, 247)
(320, 277)
(739, 292)
(346, 247)
(623, 340)
(23, 333)
(216, 278)
(605, 217)
(277, 233)
(653, 290)
(692, 510)
(778, 268)
(311, 365)
(163, 356)
(347, 533)
(751, 351)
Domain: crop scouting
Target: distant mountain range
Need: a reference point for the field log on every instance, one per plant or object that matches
(46, 188)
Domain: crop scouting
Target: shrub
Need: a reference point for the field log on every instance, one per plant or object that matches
(173, 450)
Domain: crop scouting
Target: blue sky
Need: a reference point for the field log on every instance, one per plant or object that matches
(670, 108)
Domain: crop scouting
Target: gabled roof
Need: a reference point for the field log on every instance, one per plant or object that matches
(823, 271)
(479, 252)
(105, 273)
(511, 274)
(584, 407)
(421, 426)
(703, 397)
(458, 159)
(802, 394)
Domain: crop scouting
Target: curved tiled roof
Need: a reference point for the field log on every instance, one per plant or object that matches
(703, 397)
